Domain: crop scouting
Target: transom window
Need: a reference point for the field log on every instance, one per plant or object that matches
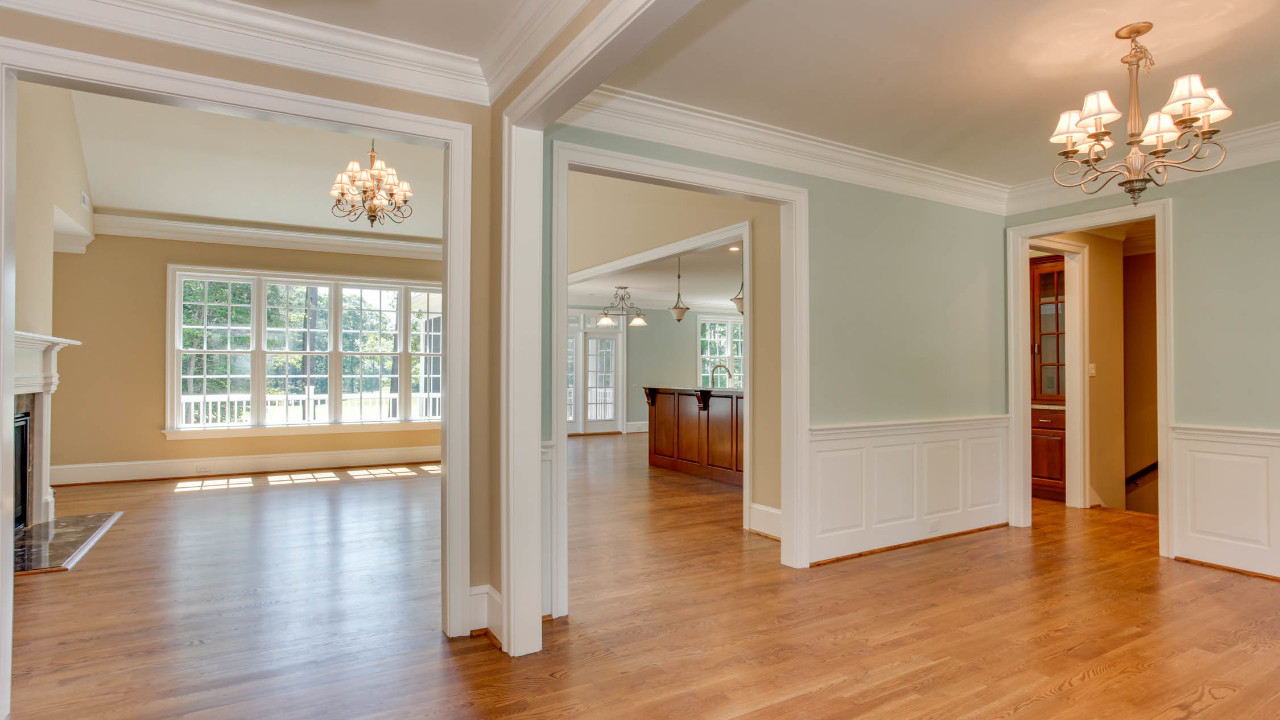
(720, 342)
(256, 349)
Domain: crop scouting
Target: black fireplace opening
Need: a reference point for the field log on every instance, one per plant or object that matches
(21, 468)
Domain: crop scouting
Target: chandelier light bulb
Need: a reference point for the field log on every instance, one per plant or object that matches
(606, 321)
(1067, 128)
(1098, 110)
(1188, 97)
(1159, 129)
(638, 321)
(1218, 111)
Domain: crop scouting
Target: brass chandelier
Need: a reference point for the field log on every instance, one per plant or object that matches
(621, 307)
(1190, 136)
(376, 193)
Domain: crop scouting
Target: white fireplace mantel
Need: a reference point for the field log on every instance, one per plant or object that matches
(35, 365)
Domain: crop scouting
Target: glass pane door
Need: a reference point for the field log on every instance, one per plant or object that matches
(600, 407)
(1048, 330)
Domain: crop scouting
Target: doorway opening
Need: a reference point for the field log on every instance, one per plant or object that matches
(1089, 367)
(267, 329)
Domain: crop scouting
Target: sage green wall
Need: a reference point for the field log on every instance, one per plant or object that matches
(1226, 249)
(907, 300)
(664, 353)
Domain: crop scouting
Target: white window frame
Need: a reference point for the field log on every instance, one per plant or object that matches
(731, 320)
(260, 279)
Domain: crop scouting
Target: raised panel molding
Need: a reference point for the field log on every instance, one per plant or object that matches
(924, 478)
(1227, 503)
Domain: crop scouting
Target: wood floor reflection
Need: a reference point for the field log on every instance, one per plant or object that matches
(320, 601)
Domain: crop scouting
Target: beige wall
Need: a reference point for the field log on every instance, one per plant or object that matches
(51, 173)
(611, 218)
(484, 286)
(1141, 428)
(110, 404)
(1106, 353)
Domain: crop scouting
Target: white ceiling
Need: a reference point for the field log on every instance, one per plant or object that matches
(465, 27)
(710, 277)
(157, 159)
(973, 87)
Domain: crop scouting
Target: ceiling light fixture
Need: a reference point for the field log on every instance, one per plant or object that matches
(1198, 108)
(376, 193)
(621, 307)
(742, 285)
(679, 309)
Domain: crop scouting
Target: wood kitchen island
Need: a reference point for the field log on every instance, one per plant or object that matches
(698, 431)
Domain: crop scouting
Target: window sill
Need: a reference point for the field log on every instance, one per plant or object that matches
(329, 429)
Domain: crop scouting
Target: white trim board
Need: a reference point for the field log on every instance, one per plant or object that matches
(1019, 242)
(268, 237)
(232, 28)
(632, 114)
(715, 238)
(522, 37)
(765, 520)
(645, 117)
(237, 464)
(486, 606)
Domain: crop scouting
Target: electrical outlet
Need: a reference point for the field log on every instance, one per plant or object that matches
(1093, 370)
(202, 467)
(933, 526)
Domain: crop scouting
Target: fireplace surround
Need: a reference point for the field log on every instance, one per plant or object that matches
(35, 380)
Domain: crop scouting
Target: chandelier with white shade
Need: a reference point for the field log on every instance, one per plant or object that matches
(376, 193)
(1182, 133)
(621, 307)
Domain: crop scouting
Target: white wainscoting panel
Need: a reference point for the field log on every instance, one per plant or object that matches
(1228, 497)
(885, 484)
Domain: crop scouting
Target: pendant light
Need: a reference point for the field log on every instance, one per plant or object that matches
(738, 299)
(621, 307)
(679, 309)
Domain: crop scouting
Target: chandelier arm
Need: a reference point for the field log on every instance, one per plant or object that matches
(1108, 174)
(1160, 165)
(1091, 174)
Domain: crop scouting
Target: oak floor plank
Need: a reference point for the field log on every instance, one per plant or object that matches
(321, 600)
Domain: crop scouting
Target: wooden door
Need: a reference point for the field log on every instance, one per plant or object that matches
(1048, 306)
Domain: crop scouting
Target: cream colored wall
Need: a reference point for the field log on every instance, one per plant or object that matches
(1141, 423)
(51, 173)
(1106, 353)
(484, 283)
(611, 218)
(110, 404)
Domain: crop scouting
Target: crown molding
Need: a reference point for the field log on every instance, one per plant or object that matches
(285, 238)
(522, 37)
(232, 28)
(645, 117)
(1246, 148)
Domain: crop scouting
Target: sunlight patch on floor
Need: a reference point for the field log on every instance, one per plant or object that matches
(304, 478)
(380, 473)
(213, 484)
(300, 478)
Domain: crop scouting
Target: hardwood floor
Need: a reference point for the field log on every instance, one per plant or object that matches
(319, 601)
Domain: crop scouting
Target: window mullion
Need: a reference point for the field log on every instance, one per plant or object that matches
(335, 353)
(406, 412)
(258, 355)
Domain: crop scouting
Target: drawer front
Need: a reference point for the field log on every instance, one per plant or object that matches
(1049, 419)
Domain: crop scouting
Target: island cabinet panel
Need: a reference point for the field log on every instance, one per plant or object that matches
(662, 426)
(697, 431)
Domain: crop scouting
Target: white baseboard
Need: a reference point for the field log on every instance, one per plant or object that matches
(766, 520)
(638, 427)
(486, 610)
(195, 467)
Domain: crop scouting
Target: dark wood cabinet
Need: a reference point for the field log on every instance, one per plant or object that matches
(697, 431)
(1048, 454)
(1048, 311)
